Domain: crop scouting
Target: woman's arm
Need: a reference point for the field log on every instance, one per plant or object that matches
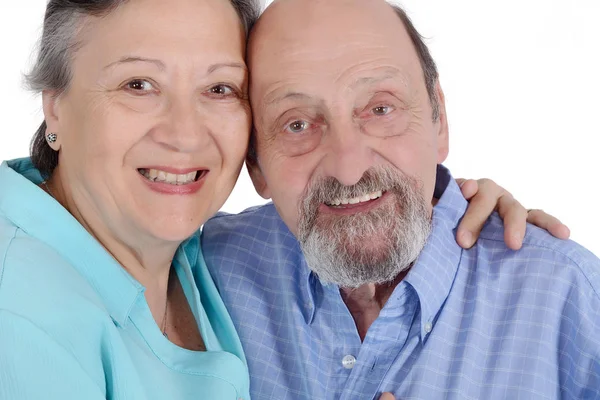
(485, 196)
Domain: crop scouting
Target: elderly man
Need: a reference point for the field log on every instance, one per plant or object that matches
(351, 284)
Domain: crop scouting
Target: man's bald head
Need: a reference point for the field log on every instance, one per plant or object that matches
(284, 17)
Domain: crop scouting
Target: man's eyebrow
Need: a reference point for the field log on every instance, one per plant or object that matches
(135, 59)
(388, 73)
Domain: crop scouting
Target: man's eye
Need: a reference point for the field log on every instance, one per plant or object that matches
(297, 126)
(140, 85)
(382, 110)
(221, 90)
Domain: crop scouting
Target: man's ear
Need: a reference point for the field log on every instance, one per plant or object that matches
(50, 102)
(442, 133)
(258, 179)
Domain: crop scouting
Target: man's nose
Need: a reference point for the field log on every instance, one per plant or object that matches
(185, 126)
(349, 155)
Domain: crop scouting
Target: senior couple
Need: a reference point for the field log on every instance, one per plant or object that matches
(350, 285)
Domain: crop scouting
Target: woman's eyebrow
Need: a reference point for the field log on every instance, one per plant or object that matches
(218, 66)
(134, 59)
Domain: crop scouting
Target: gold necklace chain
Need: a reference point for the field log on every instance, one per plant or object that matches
(164, 321)
(45, 185)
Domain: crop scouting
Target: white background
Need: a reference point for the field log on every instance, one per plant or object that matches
(521, 82)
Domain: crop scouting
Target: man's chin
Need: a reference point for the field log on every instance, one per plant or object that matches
(368, 250)
(354, 261)
(352, 278)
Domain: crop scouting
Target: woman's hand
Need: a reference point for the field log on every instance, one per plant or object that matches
(485, 196)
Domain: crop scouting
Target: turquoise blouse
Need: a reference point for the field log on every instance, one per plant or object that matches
(75, 325)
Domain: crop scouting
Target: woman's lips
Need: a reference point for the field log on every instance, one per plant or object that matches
(173, 181)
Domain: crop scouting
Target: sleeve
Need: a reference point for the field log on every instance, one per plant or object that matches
(35, 366)
(579, 342)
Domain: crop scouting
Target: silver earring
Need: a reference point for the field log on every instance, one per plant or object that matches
(51, 137)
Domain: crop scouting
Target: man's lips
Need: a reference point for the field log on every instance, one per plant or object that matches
(350, 209)
(356, 200)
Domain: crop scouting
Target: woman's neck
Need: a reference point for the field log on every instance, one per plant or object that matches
(147, 260)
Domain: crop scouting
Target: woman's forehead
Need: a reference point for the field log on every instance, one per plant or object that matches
(174, 30)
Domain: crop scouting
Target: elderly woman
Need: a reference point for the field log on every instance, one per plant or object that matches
(104, 293)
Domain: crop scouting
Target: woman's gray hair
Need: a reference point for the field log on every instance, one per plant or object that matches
(52, 69)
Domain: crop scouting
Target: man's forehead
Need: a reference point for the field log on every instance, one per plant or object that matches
(282, 92)
(327, 50)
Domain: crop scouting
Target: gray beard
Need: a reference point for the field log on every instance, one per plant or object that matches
(368, 247)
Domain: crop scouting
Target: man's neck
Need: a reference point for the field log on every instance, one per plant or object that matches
(365, 302)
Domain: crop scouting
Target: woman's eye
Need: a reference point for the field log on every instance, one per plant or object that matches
(221, 90)
(140, 85)
(297, 126)
(382, 110)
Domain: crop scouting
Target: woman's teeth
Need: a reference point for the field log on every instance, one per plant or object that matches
(166, 177)
(356, 200)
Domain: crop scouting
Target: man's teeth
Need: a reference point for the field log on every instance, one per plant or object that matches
(167, 177)
(356, 200)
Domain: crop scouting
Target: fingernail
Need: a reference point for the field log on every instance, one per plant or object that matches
(467, 238)
(517, 241)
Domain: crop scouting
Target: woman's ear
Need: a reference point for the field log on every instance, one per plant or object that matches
(50, 107)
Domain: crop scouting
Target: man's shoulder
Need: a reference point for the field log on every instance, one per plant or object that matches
(256, 217)
(253, 230)
(542, 252)
(253, 243)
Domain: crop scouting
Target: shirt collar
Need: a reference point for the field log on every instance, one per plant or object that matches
(433, 273)
(40, 216)
(310, 285)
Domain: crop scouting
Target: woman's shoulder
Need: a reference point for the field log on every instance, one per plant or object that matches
(39, 284)
(52, 326)
(53, 322)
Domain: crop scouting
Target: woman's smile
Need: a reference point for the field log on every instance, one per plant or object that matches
(172, 181)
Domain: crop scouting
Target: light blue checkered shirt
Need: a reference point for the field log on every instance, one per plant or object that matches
(484, 323)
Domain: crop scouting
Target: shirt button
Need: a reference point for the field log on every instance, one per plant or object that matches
(428, 327)
(348, 361)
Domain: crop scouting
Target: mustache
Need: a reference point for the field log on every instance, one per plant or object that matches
(328, 189)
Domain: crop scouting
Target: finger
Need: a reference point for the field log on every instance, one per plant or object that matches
(546, 221)
(387, 396)
(469, 188)
(514, 217)
(480, 208)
